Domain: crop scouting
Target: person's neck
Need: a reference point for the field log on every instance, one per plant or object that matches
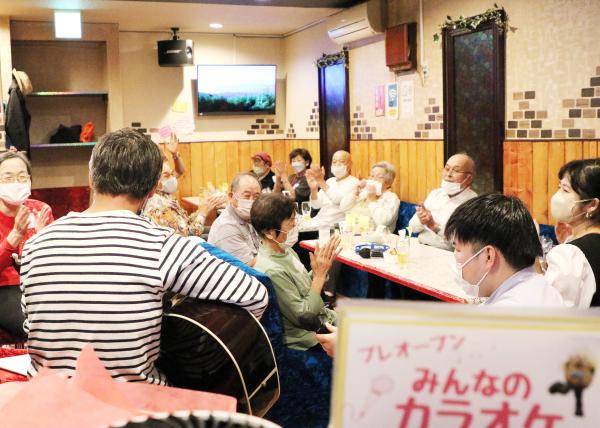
(267, 171)
(584, 227)
(271, 245)
(301, 173)
(496, 280)
(341, 178)
(104, 202)
(8, 210)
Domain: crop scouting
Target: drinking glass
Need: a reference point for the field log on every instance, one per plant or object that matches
(403, 250)
(306, 210)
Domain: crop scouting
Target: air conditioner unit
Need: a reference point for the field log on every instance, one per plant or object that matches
(358, 22)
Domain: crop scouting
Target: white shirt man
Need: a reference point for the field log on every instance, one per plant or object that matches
(335, 196)
(495, 248)
(430, 219)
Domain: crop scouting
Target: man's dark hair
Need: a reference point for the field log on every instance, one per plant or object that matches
(500, 221)
(584, 176)
(16, 155)
(305, 154)
(126, 162)
(269, 210)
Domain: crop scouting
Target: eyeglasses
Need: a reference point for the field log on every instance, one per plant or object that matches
(450, 171)
(9, 178)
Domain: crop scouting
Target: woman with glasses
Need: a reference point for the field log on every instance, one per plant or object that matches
(164, 209)
(298, 292)
(20, 218)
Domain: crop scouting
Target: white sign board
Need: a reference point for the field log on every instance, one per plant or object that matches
(407, 99)
(440, 365)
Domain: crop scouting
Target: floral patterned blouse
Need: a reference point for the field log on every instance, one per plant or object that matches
(164, 210)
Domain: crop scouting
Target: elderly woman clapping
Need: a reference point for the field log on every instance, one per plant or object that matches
(375, 199)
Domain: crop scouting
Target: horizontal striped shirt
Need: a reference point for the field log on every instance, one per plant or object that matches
(99, 278)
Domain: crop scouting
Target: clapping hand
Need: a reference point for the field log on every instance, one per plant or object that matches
(425, 216)
(279, 169)
(42, 218)
(321, 260)
(20, 227)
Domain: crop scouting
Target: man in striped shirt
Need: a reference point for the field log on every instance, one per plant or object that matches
(99, 276)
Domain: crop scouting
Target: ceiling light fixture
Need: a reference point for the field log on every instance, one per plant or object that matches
(67, 24)
(215, 25)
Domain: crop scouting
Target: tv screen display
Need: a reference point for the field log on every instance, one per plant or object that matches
(236, 89)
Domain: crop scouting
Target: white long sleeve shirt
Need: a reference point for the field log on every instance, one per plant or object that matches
(383, 211)
(334, 202)
(441, 207)
(571, 274)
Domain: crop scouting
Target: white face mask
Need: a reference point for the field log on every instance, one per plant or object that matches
(562, 204)
(450, 188)
(376, 184)
(290, 239)
(298, 166)
(457, 268)
(339, 171)
(243, 207)
(258, 170)
(15, 193)
(169, 185)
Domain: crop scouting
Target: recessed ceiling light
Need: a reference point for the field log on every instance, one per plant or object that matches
(215, 25)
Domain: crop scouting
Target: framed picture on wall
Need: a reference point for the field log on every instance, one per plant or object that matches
(380, 100)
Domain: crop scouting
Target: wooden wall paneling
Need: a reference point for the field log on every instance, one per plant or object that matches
(279, 152)
(232, 150)
(573, 150)
(421, 161)
(394, 147)
(185, 181)
(589, 149)
(556, 159)
(413, 173)
(432, 167)
(511, 159)
(315, 150)
(244, 154)
(439, 161)
(255, 147)
(267, 146)
(220, 163)
(364, 160)
(197, 172)
(541, 194)
(524, 173)
(404, 171)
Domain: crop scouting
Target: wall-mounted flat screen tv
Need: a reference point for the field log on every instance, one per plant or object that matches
(236, 89)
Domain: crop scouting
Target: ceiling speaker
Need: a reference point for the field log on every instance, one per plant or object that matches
(175, 52)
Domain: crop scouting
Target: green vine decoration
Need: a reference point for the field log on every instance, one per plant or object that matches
(337, 58)
(496, 14)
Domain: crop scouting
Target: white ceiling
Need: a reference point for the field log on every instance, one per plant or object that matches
(160, 16)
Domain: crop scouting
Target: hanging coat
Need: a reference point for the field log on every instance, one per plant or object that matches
(17, 118)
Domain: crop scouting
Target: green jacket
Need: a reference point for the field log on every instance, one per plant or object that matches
(294, 295)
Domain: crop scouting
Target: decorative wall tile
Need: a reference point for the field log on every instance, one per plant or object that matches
(575, 113)
(536, 123)
(560, 134)
(582, 102)
(529, 114)
(523, 124)
(434, 120)
(529, 95)
(534, 133)
(587, 92)
(568, 103)
(518, 96)
(588, 133)
(511, 133)
(518, 114)
(589, 112)
(574, 133)
(568, 123)
(541, 114)
(595, 81)
(362, 131)
(521, 133)
(313, 122)
(523, 105)
(546, 133)
(291, 132)
(595, 102)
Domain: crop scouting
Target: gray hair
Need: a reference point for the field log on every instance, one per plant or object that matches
(235, 183)
(390, 171)
(125, 162)
(16, 155)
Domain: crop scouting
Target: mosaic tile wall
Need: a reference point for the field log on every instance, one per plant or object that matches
(291, 132)
(264, 126)
(435, 121)
(579, 116)
(360, 129)
(313, 121)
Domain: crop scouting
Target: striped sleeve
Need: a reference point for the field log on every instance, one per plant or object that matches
(188, 269)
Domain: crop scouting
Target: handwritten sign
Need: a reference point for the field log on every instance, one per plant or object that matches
(438, 365)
